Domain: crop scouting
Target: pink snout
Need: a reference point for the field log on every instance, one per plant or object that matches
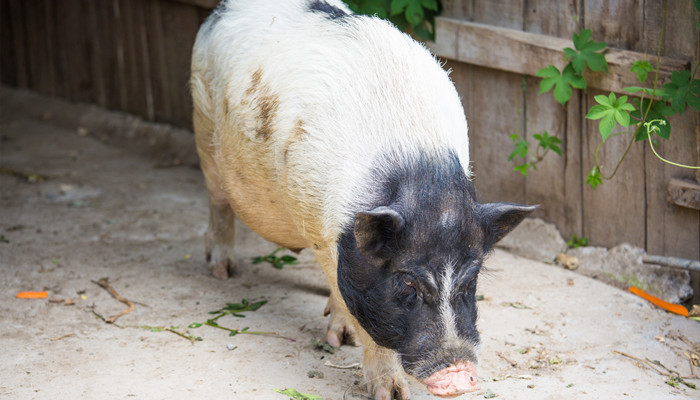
(454, 380)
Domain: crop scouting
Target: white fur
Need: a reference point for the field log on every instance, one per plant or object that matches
(360, 87)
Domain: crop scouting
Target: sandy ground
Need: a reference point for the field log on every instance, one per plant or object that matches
(103, 212)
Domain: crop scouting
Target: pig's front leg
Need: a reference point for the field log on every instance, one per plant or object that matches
(219, 239)
(383, 372)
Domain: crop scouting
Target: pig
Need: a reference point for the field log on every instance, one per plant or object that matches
(332, 131)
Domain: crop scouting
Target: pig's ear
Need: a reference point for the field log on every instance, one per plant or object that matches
(375, 228)
(501, 218)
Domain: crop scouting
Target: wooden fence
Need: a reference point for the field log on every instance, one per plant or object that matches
(133, 55)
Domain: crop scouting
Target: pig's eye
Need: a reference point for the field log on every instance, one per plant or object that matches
(410, 291)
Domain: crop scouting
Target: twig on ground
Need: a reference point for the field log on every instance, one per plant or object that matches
(63, 336)
(508, 360)
(674, 377)
(349, 366)
(104, 284)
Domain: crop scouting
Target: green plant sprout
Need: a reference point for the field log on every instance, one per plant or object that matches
(235, 309)
(577, 242)
(277, 262)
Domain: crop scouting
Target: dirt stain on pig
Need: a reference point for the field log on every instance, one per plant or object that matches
(294, 137)
(265, 103)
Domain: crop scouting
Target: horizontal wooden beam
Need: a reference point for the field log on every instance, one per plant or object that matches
(526, 53)
(684, 193)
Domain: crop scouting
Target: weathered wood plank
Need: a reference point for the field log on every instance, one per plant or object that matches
(556, 184)
(457, 9)
(158, 71)
(671, 229)
(19, 41)
(613, 213)
(134, 74)
(684, 193)
(493, 118)
(499, 13)
(526, 53)
(109, 54)
(180, 25)
(8, 65)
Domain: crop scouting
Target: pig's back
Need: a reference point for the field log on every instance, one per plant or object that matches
(317, 94)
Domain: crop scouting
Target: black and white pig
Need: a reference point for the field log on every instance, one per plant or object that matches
(326, 130)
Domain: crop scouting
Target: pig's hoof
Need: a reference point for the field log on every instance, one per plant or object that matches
(221, 259)
(383, 393)
(223, 269)
(340, 328)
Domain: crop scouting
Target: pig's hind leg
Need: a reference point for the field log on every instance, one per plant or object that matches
(219, 239)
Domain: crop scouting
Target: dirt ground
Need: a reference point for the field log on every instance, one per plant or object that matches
(104, 212)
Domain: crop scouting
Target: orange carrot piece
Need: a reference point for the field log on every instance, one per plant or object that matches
(674, 308)
(32, 295)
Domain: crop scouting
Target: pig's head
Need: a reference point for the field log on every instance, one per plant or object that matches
(408, 270)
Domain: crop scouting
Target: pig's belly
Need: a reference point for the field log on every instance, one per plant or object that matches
(261, 207)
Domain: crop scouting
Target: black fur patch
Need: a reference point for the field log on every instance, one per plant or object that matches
(331, 11)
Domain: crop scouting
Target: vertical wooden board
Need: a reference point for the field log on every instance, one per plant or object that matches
(158, 67)
(552, 17)
(556, 184)
(458, 9)
(61, 61)
(613, 212)
(96, 52)
(673, 230)
(19, 42)
(180, 26)
(680, 32)
(8, 57)
(502, 13)
(494, 112)
(618, 23)
(134, 75)
(34, 18)
(109, 56)
(78, 45)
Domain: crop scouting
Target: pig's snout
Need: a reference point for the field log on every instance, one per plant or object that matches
(454, 380)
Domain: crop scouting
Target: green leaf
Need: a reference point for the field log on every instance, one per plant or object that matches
(642, 69)
(398, 6)
(414, 12)
(594, 178)
(548, 142)
(561, 81)
(430, 4)
(297, 395)
(610, 111)
(522, 168)
(194, 325)
(521, 147)
(682, 90)
(586, 53)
